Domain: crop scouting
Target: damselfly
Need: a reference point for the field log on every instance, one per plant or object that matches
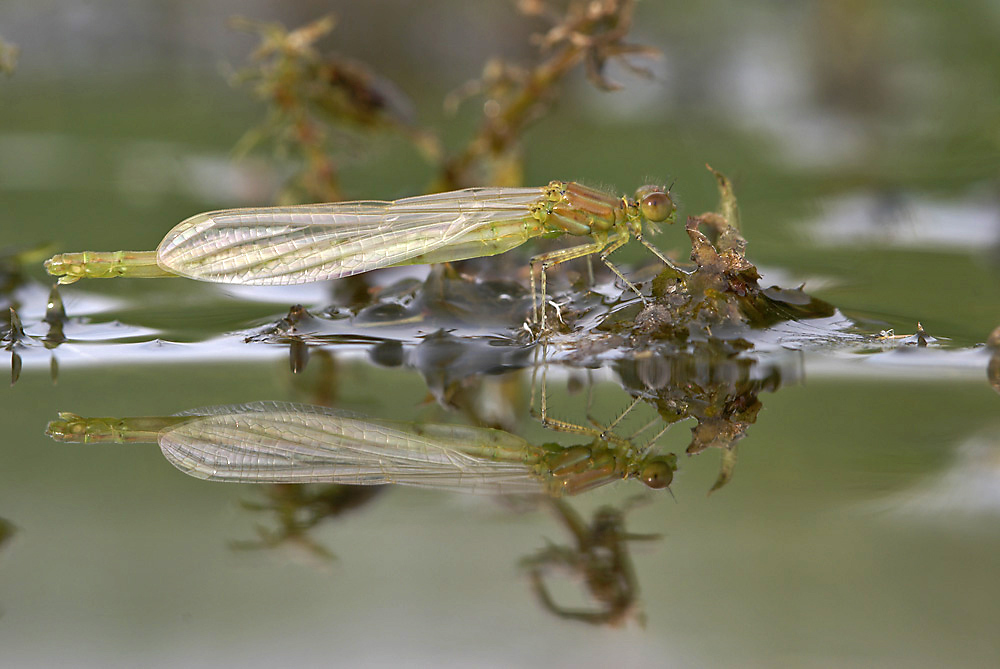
(271, 442)
(299, 244)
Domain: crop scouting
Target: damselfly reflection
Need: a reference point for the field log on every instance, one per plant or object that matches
(272, 442)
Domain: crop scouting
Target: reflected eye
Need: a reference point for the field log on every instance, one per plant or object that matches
(657, 475)
(657, 207)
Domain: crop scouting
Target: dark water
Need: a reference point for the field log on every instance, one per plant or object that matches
(856, 520)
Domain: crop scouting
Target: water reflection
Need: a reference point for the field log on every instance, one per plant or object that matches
(717, 383)
(712, 384)
(12, 331)
(407, 310)
(276, 442)
(17, 291)
(968, 486)
(289, 444)
(7, 531)
(599, 558)
(13, 338)
(298, 509)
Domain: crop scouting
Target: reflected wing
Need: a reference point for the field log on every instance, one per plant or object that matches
(283, 245)
(289, 443)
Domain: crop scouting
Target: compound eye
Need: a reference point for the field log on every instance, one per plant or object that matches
(657, 207)
(657, 475)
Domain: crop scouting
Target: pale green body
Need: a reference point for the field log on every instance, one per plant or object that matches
(282, 245)
(300, 244)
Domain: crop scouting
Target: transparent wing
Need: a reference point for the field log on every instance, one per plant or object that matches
(291, 443)
(283, 245)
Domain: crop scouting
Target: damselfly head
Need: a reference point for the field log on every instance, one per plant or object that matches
(658, 472)
(656, 204)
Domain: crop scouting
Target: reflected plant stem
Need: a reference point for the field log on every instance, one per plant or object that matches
(15, 336)
(300, 509)
(7, 531)
(15, 367)
(600, 558)
(55, 316)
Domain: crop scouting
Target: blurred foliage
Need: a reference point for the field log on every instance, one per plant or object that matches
(8, 57)
(315, 98)
(584, 31)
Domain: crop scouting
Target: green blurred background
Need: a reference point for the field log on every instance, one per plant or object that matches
(864, 143)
